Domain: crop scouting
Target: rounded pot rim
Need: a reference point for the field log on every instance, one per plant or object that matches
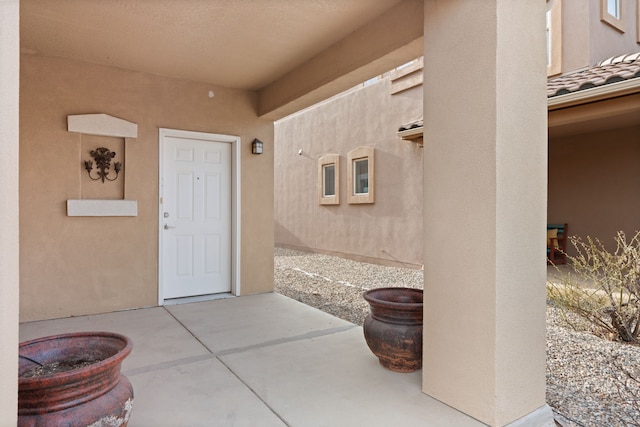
(108, 363)
(374, 296)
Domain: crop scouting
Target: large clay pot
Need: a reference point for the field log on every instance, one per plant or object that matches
(95, 394)
(393, 329)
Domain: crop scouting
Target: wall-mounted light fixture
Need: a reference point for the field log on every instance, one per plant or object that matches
(103, 157)
(256, 146)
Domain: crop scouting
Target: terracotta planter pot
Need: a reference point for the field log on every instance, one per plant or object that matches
(393, 329)
(94, 393)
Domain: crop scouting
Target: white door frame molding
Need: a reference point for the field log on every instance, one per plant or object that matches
(235, 199)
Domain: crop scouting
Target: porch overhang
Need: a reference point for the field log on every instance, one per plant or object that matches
(369, 51)
(615, 77)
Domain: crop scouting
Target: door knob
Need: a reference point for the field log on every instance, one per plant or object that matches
(167, 226)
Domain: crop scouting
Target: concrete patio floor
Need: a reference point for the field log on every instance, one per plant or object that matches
(262, 360)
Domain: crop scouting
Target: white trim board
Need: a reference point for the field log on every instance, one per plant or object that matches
(101, 124)
(99, 207)
(236, 174)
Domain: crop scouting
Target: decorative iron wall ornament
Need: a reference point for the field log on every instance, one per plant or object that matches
(103, 157)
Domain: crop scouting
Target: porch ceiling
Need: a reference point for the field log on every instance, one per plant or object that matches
(603, 97)
(244, 44)
(598, 116)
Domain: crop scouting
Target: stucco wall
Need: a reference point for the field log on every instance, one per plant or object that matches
(9, 263)
(387, 231)
(586, 40)
(80, 265)
(575, 34)
(607, 41)
(593, 183)
(485, 193)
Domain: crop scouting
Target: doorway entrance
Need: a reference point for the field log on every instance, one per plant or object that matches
(197, 226)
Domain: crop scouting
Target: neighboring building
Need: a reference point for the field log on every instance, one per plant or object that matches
(594, 116)
(581, 33)
(386, 226)
(594, 149)
(594, 143)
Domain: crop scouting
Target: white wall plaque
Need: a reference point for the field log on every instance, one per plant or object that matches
(98, 207)
(101, 124)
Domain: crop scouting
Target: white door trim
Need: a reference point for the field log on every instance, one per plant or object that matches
(235, 199)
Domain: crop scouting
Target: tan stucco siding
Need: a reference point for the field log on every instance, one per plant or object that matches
(587, 40)
(386, 231)
(484, 208)
(593, 183)
(80, 265)
(257, 215)
(607, 41)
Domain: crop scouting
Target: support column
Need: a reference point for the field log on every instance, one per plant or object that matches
(485, 173)
(9, 245)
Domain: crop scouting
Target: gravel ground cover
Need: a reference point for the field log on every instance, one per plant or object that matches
(585, 384)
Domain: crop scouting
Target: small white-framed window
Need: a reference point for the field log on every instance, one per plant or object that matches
(554, 38)
(360, 175)
(612, 13)
(329, 179)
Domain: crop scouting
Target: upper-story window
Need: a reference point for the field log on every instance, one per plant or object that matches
(612, 13)
(554, 37)
(548, 38)
(613, 8)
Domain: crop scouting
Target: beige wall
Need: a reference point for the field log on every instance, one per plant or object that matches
(605, 40)
(593, 183)
(485, 164)
(575, 34)
(80, 265)
(586, 40)
(386, 231)
(9, 262)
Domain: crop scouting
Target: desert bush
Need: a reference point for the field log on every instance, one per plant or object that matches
(604, 287)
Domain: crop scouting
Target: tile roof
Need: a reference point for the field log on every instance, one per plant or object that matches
(612, 70)
(609, 71)
(411, 125)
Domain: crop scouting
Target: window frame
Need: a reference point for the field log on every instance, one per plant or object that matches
(325, 186)
(355, 155)
(616, 22)
(356, 181)
(554, 40)
(638, 21)
(323, 162)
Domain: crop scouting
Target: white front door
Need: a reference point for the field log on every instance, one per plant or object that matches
(195, 214)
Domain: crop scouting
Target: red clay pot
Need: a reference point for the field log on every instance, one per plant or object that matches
(393, 329)
(96, 393)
